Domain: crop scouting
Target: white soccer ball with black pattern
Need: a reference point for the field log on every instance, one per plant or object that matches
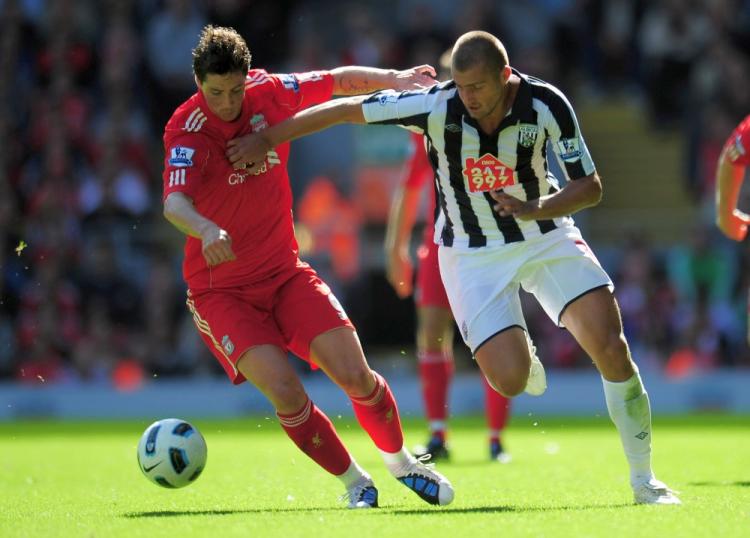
(172, 453)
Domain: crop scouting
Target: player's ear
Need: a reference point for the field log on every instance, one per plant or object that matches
(197, 81)
(506, 73)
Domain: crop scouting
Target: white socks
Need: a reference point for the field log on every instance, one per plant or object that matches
(353, 475)
(398, 462)
(630, 410)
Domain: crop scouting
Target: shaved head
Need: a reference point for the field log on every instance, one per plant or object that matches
(479, 48)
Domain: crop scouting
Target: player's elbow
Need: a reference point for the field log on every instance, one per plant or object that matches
(594, 189)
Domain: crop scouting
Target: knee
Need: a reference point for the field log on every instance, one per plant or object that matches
(509, 384)
(287, 396)
(355, 381)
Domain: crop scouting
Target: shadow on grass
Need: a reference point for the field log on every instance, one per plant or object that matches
(181, 513)
(740, 483)
(505, 509)
(382, 510)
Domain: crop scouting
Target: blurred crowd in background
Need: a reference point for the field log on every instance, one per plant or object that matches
(90, 281)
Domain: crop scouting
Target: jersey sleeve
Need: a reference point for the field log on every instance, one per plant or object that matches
(738, 144)
(419, 167)
(567, 142)
(408, 109)
(297, 91)
(184, 163)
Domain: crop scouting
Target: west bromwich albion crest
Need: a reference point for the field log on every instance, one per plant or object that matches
(527, 133)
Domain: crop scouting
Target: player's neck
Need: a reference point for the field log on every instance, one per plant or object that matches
(491, 121)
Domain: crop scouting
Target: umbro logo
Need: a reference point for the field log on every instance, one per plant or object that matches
(453, 128)
(642, 435)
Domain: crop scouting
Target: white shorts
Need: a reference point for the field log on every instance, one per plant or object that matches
(482, 284)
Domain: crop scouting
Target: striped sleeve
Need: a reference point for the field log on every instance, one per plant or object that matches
(409, 109)
(567, 142)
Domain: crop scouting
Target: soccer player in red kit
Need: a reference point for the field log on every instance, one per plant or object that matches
(251, 297)
(435, 323)
(730, 174)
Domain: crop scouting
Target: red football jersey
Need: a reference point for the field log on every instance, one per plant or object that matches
(738, 144)
(256, 210)
(420, 172)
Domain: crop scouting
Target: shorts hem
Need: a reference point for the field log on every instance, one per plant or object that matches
(574, 299)
(493, 335)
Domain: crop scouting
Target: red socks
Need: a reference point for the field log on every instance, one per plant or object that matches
(497, 407)
(435, 372)
(314, 434)
(378, 415)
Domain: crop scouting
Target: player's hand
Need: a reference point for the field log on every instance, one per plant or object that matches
(510, 206)
(416, 78)
(248, 151)
(217, 245)
(399, 270)
(734, 225)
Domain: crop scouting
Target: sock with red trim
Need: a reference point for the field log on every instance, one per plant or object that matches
(378, 415)
(314, 434)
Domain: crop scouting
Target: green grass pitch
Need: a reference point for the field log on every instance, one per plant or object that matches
(568, 477)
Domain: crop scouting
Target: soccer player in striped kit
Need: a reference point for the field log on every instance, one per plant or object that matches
(251, 297)
(435, 324)
(504, 222)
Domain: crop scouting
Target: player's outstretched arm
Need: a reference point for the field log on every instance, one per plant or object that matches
(731, 221)
(355, 80)
(574, 196)
(217, 244)
(251, 149)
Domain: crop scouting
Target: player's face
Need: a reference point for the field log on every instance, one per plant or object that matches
(481, 90)
(224, 94)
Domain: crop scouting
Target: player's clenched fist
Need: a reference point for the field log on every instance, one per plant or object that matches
(248, 151)
(217, 246)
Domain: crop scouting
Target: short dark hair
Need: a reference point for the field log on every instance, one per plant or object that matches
(220, 50)
(477, 47)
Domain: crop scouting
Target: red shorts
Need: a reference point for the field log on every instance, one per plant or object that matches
(429, 290)
(288, 310)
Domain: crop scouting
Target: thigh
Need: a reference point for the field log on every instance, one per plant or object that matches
(267, 367)
(482, 293)
(562, 269)
(304, 308)
(594, 320)
(229, 324)
(339, 354)
(505, 359)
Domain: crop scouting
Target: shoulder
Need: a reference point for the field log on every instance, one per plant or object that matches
(545, 92)
(188, 118)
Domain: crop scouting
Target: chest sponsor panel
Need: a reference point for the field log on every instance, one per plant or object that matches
(488, 173)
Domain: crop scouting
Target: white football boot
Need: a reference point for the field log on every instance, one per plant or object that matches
(425, 481)
(363, 494)
(654, 491)
(537, 382)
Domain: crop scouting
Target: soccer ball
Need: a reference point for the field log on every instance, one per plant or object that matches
(172, 453)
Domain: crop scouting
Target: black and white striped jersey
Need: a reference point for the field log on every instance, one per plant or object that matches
(469, 163)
